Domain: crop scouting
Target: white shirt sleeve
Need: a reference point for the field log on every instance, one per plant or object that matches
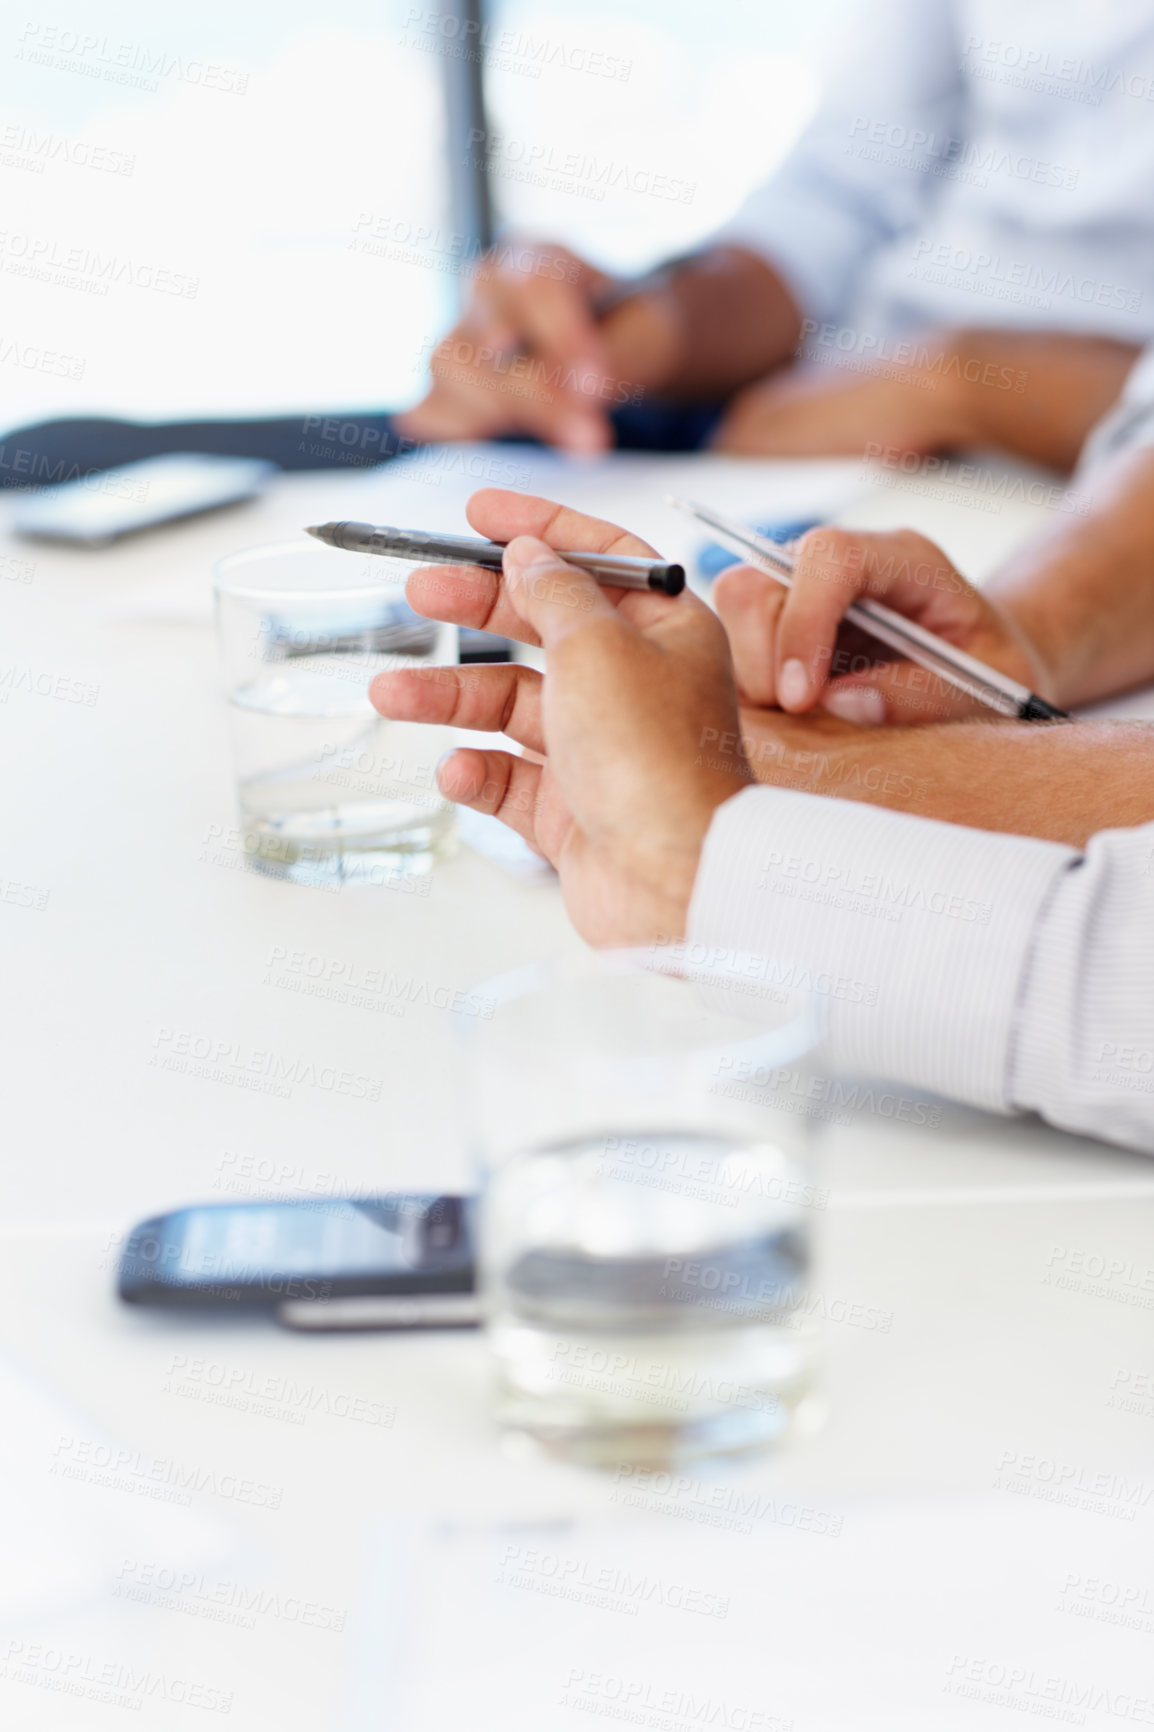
(1129, 425)
(843, 191)
(1001, 971)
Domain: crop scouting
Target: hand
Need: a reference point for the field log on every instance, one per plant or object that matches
(791, 649)
(530, 356)
(635, 717)
(829, 413)
(1032, 394)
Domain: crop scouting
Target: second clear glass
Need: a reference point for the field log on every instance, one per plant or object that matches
(327, 788)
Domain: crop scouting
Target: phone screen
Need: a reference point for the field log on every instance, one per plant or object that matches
(299, 1247)
(323, 1239)
(97, 508)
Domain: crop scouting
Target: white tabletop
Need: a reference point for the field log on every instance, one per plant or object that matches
(323, 1532)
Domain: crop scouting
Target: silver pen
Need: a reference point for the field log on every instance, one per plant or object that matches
(965, 672)
(618, 570)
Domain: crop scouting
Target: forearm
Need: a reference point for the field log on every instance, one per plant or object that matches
(1083, 593)
(705, 326)
(1033, 394)
(1060, 783)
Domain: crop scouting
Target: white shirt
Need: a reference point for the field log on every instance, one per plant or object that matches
(1004, 972)
(973, 162)
(1129, 425)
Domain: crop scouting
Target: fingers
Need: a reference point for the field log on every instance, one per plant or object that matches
(895, 693)
(833, 567)
(497, 783)
(826, 579)
(501, 515)
(504, 516)
(553, 597)
(749, 605)
(542, 298)
(502, 699)
(467, 595)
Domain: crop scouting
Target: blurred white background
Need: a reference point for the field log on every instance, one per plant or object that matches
(243, 207)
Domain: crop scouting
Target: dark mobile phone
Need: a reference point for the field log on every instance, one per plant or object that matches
(402, 1261)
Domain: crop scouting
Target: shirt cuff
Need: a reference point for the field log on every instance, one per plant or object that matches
(807, 244)
(916, 934)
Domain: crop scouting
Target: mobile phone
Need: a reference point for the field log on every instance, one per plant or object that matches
(401, 1261)
(99, 508)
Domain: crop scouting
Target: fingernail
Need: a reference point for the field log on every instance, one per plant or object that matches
(445, 758)
(792, 685)
(859, 704)
(524, 551)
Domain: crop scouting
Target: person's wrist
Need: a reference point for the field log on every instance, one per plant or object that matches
(665, 862)
(646, 336)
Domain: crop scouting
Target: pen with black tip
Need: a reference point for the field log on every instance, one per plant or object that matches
(962, 671)
(616, 570)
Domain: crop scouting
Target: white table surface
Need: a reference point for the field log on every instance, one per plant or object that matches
(989, 1362)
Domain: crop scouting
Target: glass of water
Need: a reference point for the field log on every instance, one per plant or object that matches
(328, 789)
(641, 1119)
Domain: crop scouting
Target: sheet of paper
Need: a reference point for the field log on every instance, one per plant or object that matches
(760, 1613)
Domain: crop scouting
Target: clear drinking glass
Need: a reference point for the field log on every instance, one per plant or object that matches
(641, 1123)
(328, 789)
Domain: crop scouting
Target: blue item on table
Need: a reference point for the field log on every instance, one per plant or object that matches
(713, 560)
